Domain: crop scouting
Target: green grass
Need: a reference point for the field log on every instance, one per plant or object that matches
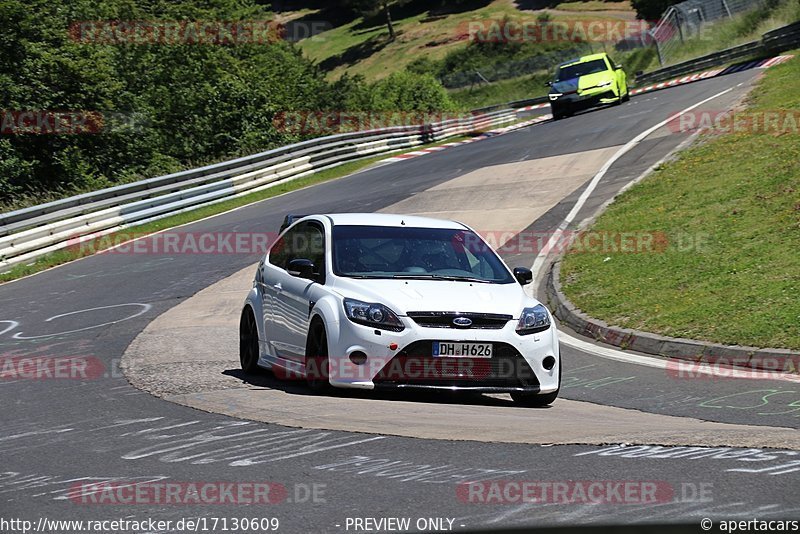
(428, 35)
(501, 92)
(73, 253)
(740, 29)
(739, 195)
(594, 5)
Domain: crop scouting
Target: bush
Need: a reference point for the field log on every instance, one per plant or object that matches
(406, 91)
(165, 107)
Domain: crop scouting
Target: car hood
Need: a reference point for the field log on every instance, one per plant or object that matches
(565, 86)
(593, 80)
(584, 82)
(404, 296)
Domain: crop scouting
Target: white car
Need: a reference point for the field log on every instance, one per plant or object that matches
(394, 301)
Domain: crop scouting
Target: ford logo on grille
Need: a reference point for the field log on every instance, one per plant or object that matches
(463, 322)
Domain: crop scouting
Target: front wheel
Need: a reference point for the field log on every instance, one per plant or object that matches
(316, 366)
(534, 400)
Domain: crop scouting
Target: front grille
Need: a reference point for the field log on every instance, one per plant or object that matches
(488, 321)
(416, 365)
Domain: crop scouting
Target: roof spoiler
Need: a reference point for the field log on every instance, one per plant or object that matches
(290, 220)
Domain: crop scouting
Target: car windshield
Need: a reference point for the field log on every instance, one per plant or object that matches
(580, 69)
(417, 253)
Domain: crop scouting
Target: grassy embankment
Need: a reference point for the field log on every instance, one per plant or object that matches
(736, 196)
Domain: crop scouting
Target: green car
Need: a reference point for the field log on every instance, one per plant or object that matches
(587, 82)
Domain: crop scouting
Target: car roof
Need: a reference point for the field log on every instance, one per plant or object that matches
(391, 220)
(584, 59)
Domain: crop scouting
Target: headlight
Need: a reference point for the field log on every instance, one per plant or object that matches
(533, 320)
(374, 315)
(603, 84)
(555, 96)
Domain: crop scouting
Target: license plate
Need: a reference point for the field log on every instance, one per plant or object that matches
(447, 349)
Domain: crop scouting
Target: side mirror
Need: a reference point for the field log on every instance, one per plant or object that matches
(548, 84)
(523, 275)
(618, 66)
(301, 268)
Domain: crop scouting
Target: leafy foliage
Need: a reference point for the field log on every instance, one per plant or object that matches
(165, 107)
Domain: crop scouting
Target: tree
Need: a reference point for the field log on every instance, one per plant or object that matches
(651, 9)
(371, 8)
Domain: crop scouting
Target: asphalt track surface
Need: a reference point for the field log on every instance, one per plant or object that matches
(58, 433)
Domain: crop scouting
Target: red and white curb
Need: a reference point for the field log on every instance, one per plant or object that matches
(777, 60)
(487, 135)
(758, 64)
(678, 81)
(535, 106)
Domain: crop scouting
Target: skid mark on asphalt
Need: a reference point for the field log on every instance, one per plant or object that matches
(409, 471)
(538, 514)
(61, 488)
(780, 462)
(235, 443)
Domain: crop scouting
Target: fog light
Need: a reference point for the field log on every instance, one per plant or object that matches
(358, 358)
(548, 363)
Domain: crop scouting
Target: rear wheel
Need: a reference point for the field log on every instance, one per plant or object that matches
(248, 342)
(316, 366)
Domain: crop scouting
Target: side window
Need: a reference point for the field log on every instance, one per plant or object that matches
(304, 241)
(279, 253)
(315, 247)
(611, 62)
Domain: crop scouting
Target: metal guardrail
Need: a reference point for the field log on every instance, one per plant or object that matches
(773, 42)
(30, 233)
(693, 65)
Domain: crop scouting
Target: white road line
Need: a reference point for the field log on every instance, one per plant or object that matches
(630, 145)
(674, 365)
(539, 262)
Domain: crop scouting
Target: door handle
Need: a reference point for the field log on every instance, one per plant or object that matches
(278, 287)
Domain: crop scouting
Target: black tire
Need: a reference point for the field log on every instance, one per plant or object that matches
(248, 342)
(558, 113)
(535, 400)
(627, 95)
(316, 366)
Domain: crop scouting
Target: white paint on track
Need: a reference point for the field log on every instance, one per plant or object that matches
(630, 145)
(618, 355)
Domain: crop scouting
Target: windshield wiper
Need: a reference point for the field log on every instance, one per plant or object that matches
(453, 278)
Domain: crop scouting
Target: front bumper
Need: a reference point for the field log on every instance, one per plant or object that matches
(517, 363)
(578, 101)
